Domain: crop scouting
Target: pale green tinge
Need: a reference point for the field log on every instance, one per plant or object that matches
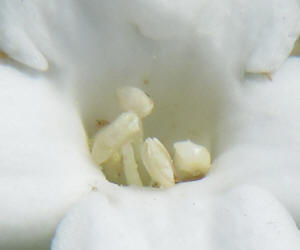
(113, 169)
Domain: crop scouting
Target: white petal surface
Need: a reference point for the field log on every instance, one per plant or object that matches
(251, 218)
(259, 141)
(258, 34)
(136, 219)
(245, 218)
(44, 162)
(16, 35)
(217, 212)
(102, 45)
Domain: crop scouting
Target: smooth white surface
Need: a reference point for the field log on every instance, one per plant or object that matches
(45, 164)
(246, 217)
(98, 46)
(249, 200)
(257, 34)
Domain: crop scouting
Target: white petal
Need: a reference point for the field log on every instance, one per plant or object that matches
(260, 140)
(136, 219)
(251, 218)
(280, 28)
(44, 160)
(240, 35)
(17, 45)
(177, 219)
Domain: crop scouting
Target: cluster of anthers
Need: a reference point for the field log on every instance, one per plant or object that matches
(127, 159)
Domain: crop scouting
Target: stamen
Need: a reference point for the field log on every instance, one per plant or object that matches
(125, 158)
(135, 100)
(109, 139)
(191, 160)
(158, 163)
(130, 166)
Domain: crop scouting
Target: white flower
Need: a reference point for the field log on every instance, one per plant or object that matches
(66, 58)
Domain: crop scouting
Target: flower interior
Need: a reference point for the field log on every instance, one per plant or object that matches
(126, 158)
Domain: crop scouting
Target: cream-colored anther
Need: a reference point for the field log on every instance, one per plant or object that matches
(109, 139)
(135, 100)
(130, 166)
(191, 160)
(158, 163)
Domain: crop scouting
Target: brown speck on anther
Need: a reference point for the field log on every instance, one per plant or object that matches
(102, 123)
(146, 81)
(155, 185)
(147, 94)
(193, 178)
(268, 75)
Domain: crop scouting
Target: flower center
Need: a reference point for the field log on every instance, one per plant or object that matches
(126, 158)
